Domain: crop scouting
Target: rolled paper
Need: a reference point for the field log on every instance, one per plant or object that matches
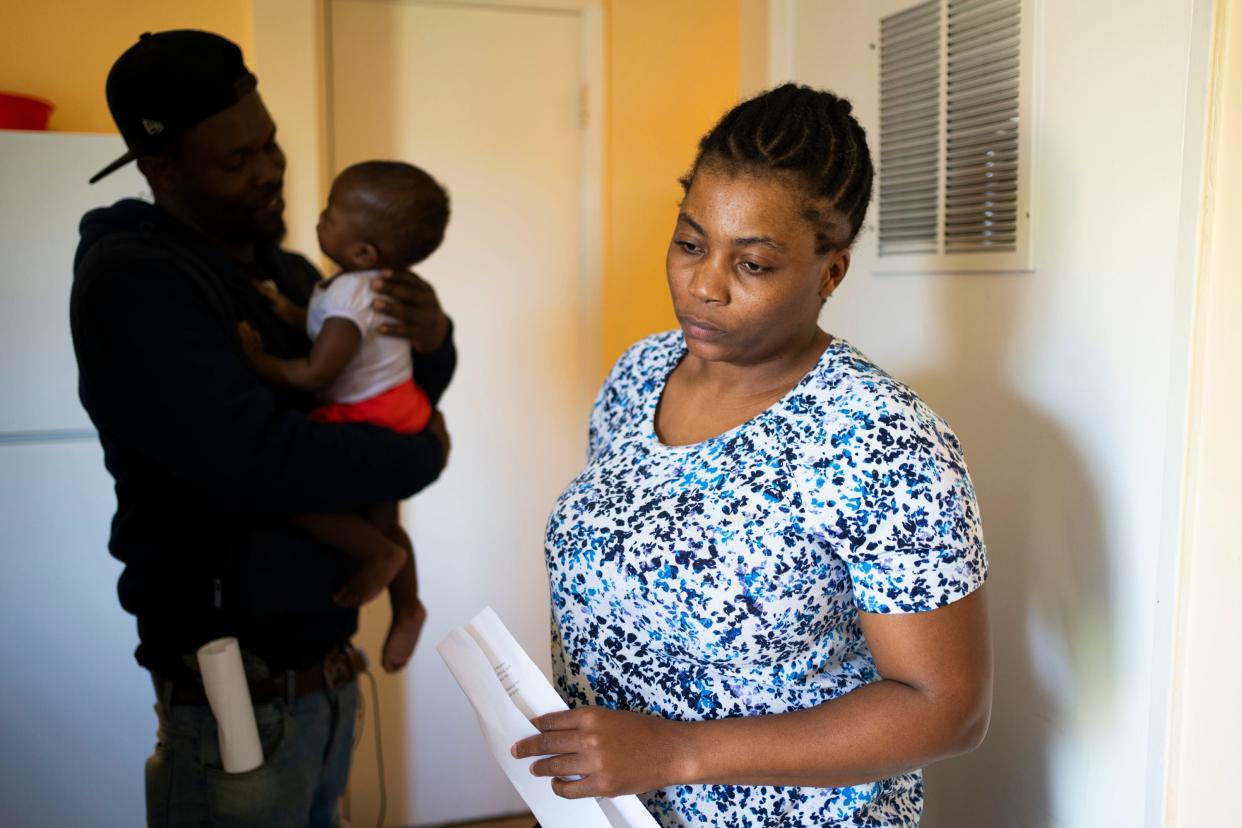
(224, 680)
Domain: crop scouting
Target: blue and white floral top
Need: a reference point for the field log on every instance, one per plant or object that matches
(725, 578)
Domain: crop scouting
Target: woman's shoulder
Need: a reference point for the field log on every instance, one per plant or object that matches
(647, 360)
(647, 350)
(851, 397)
(634, 380)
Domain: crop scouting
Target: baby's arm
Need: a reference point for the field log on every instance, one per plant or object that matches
(334, 347)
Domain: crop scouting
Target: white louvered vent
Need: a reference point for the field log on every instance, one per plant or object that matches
(981, 186)
(954, 127)
(910, 129)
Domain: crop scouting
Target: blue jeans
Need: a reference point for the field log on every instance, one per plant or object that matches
(306, 749)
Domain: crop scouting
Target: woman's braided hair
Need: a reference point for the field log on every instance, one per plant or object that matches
(810, 133)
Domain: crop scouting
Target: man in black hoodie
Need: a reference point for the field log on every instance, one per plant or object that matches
(208, 461)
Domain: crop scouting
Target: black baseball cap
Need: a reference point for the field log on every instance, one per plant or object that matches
(166, 83)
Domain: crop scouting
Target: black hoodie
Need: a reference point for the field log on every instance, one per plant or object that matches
(208, 461)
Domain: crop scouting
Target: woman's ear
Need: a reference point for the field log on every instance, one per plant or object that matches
(835, 268)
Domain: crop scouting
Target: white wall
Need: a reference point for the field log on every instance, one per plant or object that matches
(1207, 721)
(1067, 387)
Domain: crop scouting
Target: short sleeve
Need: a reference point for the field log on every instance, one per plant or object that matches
(349, 296)
(891, 496)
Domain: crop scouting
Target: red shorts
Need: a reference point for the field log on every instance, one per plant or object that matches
(403, 408)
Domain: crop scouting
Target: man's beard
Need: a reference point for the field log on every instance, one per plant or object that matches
(246, 230)
(273, 235)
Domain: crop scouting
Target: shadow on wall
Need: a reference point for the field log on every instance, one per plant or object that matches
(1049, 585)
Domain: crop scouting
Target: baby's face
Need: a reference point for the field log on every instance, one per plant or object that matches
(341, 237)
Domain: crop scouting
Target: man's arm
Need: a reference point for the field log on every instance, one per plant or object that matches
(160, 376)
(434, 371)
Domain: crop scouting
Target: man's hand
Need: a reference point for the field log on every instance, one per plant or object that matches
(414, 308)
(615, 752)
(437, 428)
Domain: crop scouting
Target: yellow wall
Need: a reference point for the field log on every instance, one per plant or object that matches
(673, 70)
(288, 58)
(62, 49)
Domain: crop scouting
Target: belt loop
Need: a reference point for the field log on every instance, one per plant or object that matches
(163, 693)
(328, 668)
(291, 688)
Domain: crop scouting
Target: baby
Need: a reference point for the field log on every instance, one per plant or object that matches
(380, 214)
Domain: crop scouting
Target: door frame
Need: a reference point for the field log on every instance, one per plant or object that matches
(1204, 636)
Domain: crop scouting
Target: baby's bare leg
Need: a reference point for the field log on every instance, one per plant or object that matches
(379, 557)
(408, 613)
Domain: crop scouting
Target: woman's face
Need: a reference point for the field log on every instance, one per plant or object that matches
(746, 282)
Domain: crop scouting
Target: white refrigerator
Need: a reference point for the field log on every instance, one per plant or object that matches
(76, 720)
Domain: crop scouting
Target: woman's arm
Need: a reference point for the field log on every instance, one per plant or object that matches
(334, 347)
(932, 702)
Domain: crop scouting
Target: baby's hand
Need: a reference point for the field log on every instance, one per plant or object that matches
(268, 288)
(252, 341)
(289, 313)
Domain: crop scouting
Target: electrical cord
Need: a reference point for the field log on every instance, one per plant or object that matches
(360, 721)
(379, 746)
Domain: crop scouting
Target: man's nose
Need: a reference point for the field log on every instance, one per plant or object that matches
(269, 169)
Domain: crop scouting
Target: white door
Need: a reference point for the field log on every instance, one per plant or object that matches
(490, 99)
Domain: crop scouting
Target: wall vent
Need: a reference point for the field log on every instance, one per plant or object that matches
(955, 123)
(910, 129)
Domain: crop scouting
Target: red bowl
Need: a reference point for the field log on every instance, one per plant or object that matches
(24, 111)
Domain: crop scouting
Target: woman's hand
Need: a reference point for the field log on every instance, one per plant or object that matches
(615, 752)
(413, 306)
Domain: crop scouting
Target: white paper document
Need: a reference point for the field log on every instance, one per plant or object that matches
(228, 695)
(507, 690)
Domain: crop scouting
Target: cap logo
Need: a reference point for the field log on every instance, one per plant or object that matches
(152, 127)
